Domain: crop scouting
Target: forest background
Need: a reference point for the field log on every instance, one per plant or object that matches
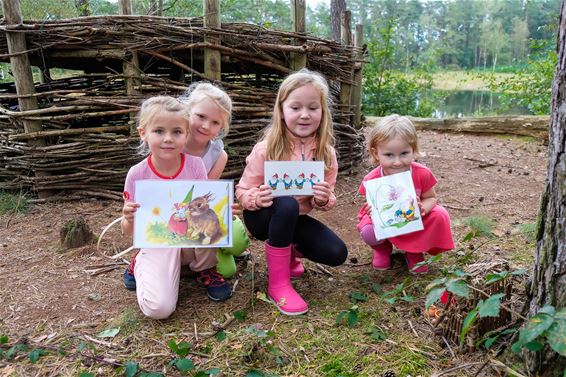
(503, 47)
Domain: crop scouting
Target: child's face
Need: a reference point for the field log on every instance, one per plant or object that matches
(394, 156)
(206, 121)
(302, 111)
(166, 135)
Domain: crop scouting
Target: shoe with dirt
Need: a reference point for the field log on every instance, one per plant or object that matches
(412, 260)
(217, 289)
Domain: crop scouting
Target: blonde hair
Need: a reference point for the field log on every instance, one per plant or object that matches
(389, 128)
(151, 107)
(278, 143)
(200, 91)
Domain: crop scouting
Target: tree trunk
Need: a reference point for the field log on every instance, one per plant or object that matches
(336, 9)
(548, 285)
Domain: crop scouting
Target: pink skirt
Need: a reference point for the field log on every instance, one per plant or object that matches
(435, 238)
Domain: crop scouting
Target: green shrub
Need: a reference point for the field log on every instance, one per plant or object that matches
(12, 203)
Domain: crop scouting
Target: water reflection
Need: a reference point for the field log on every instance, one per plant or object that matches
(469, 103)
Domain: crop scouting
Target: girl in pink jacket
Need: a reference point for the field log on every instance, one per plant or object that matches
(301, 131)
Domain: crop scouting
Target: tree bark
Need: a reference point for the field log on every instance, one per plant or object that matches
(336, 9)
(548, 285)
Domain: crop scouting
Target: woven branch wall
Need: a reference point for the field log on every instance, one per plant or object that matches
(88, 116)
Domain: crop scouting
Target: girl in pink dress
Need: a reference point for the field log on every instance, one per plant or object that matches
(393, 144)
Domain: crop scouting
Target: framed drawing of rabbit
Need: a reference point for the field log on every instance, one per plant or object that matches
(178, 213)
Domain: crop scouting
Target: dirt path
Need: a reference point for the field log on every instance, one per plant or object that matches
(48, 297)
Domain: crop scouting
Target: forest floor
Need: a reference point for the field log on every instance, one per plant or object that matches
(52, 300)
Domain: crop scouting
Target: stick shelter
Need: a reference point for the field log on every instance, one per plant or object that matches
(84, 137)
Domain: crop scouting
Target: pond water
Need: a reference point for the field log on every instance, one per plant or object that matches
(468, 103)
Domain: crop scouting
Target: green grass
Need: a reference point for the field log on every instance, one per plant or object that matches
(11, 203)
(464, 80)
(480, 225)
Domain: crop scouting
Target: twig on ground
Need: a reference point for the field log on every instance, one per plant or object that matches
(101, 342)
(481, 368)
(449, 348)
(412, 328)
(319, 266)
(500, 365)
(196, 331)
(457, 208)
(450, 370)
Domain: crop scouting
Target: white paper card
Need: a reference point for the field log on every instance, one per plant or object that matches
(183, 213)
(395, 210)
(293, 177)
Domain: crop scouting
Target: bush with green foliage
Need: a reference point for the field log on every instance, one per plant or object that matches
(387, 90)
(531, 87)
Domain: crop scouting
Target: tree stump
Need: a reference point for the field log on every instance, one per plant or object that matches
(75, 233)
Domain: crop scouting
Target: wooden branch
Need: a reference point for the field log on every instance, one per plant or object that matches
(75, 131)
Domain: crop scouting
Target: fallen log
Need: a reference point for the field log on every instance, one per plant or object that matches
(521, 125)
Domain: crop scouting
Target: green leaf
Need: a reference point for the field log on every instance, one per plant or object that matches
(254, 373)
(391, 300)
(534, 328)
(459, 287)
(184, 365)
(495, 277)
(36, 354)
(386, 207)
(108, 333)
(220, 335)
(213, 372)
(183, 348)
(376, 288)
(358, 296)
(407, 298)
(490, 307)
(352, 318)
(341, 316)
(84, 373)
(131, 368)
(433, 296)
(436, 283)
(467, 324)
(377, 335)
(489, 342)
(520, 271)
(469, 236)
(4, 339)
(240, 315)
(556, 334)
(533, 346)
(173, 346)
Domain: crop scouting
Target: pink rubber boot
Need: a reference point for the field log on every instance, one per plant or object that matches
(412, 260)
(382, 256)
(296, 266)
(279, 288)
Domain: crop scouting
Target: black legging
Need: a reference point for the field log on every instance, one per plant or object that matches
(282, 225)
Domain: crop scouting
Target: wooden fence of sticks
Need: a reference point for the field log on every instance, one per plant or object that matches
(87, 142)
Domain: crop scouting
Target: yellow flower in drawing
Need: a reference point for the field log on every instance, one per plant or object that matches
(156, 211)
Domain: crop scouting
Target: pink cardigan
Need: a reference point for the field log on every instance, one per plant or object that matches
(252, 178)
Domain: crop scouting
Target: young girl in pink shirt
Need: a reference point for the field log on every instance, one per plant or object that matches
(301, 131)
(393, 144)
(163, 126)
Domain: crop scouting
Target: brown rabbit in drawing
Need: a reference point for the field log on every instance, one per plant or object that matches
(202, 221)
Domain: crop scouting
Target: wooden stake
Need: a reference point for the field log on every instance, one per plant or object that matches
(357, 89)
(298, 25)
(212, 65)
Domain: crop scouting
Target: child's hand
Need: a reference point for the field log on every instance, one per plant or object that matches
(367, 208)
(264, 197)
(421, 206)
(236, 209)
(321, 191)
(129, 210)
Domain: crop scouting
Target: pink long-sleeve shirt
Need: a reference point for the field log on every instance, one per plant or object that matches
(253, 176)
